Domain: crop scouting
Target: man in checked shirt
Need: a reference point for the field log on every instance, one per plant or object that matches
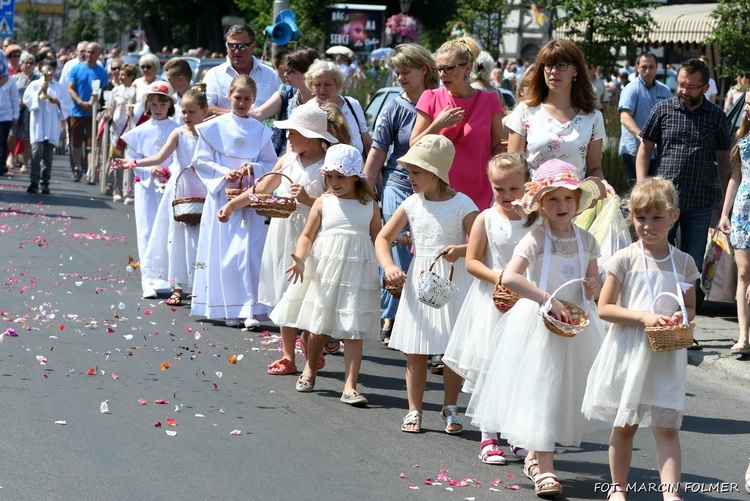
(691, 137)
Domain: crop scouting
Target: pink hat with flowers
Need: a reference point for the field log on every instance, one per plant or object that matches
(554, 174)
(162, 88)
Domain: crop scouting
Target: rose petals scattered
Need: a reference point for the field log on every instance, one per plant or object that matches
(110, 330)
(115, 376)
(216, 386)
(62, 327)
(61, 422)
(42, 360)
(235, 432)
(171, 422)
(403, 475)
(10, 331)
(158, 424)
(147, 312)
(197, 335)
(514, 487)
(412, 486)
(162, 402)
(219, 374)
(200, 416)
(240, 357)
(104, 408)
(171, 433)
(128, 337)
(91, 372)
(232, 359)
(165, 366)
(142, 401)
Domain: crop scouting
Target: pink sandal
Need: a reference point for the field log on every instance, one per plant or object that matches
(282, 367)
(490, 452)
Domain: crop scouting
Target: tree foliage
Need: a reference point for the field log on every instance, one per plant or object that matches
(601, 27)
(33, 26)
(483, 20)
(730, 35)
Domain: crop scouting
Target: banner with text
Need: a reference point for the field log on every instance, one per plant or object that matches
(360, 28)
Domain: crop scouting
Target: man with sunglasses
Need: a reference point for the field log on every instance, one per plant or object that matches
(691, 137)
(240, 46)
(81, 92)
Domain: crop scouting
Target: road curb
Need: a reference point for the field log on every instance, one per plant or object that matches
(729, 366)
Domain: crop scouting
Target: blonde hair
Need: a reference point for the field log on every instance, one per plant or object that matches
(411, 55)
(243, 82)
(465, 48)
(197, 95)
(508, 163)
(653, 194)
(337, 124)
(150, 59)
(483, 66)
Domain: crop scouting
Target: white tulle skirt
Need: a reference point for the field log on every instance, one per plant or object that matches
(281, 241)
(532, 386)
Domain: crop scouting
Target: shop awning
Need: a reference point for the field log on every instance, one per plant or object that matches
(687, 23)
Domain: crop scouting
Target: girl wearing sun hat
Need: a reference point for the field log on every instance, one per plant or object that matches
(539, 404)
(308, 139)
(143, 141)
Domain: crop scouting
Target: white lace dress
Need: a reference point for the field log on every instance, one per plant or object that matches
(340, 295)
(629, 383)
(283, 233)
(418, 328)
(467, 348)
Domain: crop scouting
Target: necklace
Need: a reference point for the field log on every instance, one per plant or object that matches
(563, 245)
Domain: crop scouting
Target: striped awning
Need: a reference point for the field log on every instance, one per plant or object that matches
(687, 23)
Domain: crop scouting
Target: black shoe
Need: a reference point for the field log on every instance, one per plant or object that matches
(32, 189)
(45, 189)
(436, 364)
(77, 175)
(385, 336)
(695, 346)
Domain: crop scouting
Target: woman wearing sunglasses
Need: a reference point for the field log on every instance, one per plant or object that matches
(150, 66)
(470, 118)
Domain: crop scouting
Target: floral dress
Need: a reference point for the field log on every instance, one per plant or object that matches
(740, 236)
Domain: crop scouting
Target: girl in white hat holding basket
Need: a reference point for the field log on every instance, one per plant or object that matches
(532, 386)
(440, 220)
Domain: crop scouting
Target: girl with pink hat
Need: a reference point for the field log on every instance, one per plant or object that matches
(539, 405)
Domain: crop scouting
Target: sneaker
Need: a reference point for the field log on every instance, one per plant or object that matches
(77, 174)
(45, 189)
(251, 323)
(354, 399)
(127, 201)
(33, 189)
(116, 197)
(150, 294)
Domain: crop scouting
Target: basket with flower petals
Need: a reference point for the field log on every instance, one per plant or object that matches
(270, 205)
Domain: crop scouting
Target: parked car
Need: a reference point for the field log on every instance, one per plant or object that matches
(668, 77)
(387, 94)
(203, 66)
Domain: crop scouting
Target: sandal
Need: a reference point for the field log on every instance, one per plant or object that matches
(546, 485)
(747, 482)
(740, 348)
(529, 467)
(453, 423)
(519, 452)
(174, 300)
(490, 452)
(282, 367)
(303, 345)
(616, 488)
(412, 422)
(303, 386)
(695, 346)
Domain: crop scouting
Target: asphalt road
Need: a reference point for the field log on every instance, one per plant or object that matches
(68, 295)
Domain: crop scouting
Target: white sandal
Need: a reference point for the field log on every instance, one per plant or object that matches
(452, 419)
(412, 422)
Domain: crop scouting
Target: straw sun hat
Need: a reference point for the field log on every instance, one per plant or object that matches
(433, 153)
(554, 174)
(310, 121)
(161, 88)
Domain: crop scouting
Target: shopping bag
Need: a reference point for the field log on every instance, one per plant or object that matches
(611, 232)
(719, 274)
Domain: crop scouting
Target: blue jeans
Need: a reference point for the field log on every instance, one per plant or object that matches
(390, 199)
(693, 225)
(629, 161)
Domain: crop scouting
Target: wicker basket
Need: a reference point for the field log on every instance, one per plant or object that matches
(269, 205)
(579, 317)
(670, 337)
(394, 290)
(503, 297)
(234, 192)
(186, 210)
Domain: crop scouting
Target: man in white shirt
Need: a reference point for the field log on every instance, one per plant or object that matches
(80, 57)
(241, 61)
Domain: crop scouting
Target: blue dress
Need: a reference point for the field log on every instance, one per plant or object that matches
(740, 236)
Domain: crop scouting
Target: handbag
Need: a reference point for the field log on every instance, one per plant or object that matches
(719, 274)
(433, 289)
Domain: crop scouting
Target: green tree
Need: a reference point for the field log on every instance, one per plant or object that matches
(601, 27)
(483, 20)
(33, 26)
(730, 35)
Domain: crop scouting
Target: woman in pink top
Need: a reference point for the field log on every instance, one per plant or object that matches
(470, 118)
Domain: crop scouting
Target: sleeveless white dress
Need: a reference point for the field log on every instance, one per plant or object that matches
(283, 233)
(467, 349)
(340, 295)
(533, 384)
(418, 328)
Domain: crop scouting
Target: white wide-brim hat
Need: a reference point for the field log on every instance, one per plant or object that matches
(162, 88)
(310, 121)
(433, 153)
(344, 159)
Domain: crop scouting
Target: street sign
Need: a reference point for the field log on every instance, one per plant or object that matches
(7, 9)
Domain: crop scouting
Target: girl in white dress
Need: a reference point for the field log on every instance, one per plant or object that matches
(143, 141)
(494, 235)
(630, 385)
(173, 259)
(340, 295)
(308, 139)
(532, 386)
(227, 267)
(440, 220)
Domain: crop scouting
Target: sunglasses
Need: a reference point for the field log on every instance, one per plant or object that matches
(238, 46)
(14, 55)
(114, 68)
(146, 67)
